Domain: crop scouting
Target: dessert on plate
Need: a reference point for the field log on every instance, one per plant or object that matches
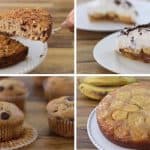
(35, 24)
(134, 43)
(123, 116)
(113, 10)
(11, 51)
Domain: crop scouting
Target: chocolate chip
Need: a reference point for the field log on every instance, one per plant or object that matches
(4, 115)
(117, 2)
(44, 33)
(70, 98)
(23, 29)
(129, 4)
(11, 87)
(55, 110)
(1, 88)
(34, 25)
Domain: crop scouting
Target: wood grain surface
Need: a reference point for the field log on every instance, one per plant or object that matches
(85, 106)
(60, 57)
(86, 41)
(36, 115)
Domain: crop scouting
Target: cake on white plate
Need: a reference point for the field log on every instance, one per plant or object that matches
(134, 42)
(112, 10)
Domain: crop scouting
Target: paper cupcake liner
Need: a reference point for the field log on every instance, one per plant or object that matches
(10, 132)
(61, 127)
(29, 136)
(17, 100)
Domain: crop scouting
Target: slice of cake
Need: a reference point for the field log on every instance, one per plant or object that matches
(135, 42)
(113, 10)
(35, 24)
(11, 51)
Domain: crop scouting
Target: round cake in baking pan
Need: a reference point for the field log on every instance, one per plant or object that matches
(124, 116)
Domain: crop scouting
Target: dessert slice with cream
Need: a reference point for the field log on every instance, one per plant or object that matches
(135, 42)
(114, 10)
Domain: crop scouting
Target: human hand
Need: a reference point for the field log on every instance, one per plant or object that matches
(69, 22)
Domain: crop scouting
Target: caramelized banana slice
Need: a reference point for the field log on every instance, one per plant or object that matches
(119, 115)
(130, 108)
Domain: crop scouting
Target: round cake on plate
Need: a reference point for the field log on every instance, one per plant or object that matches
(124, 116)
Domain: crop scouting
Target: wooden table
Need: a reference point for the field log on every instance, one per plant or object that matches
(36, 115)
(60, 57)
(86, 63)
(85, 106)
(86, 41)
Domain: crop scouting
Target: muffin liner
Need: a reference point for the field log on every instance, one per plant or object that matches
(62, 127)
(17, 100)
(29, 136)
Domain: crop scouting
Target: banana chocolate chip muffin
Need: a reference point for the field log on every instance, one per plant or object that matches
(11, 121)
(61, 116)
(124, 116)
(14, 91)
(55, 87)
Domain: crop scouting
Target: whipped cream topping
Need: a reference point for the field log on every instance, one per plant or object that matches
(136, 38)
(120, 7)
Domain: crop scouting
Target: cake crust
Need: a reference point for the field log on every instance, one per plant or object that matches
(11, 51)
(123, 116)
(111, 17)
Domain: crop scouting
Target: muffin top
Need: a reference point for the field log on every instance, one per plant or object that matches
(62, 107)
(11, 87)
(125, 113)
(10, 114)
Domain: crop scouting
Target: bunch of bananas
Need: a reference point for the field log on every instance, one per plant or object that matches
(98, 87)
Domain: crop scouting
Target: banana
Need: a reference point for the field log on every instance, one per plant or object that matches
(109, 81)
(93, 92)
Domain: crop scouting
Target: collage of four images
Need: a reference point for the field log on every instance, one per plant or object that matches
(74, 74)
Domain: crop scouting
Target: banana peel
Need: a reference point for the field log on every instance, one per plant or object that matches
(109, 81)
(93, 92)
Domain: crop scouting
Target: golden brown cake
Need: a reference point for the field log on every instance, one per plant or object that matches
(134, 43)
(35, 24)
(11, 51)
(13, 91)
(61, 116)
(124, 116)
(58, 86)
(112, 10)
(11, 121)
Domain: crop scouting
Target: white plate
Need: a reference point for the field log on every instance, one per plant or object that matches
(36, 54)
(84, 23)
(97, 137)
(105, 54)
